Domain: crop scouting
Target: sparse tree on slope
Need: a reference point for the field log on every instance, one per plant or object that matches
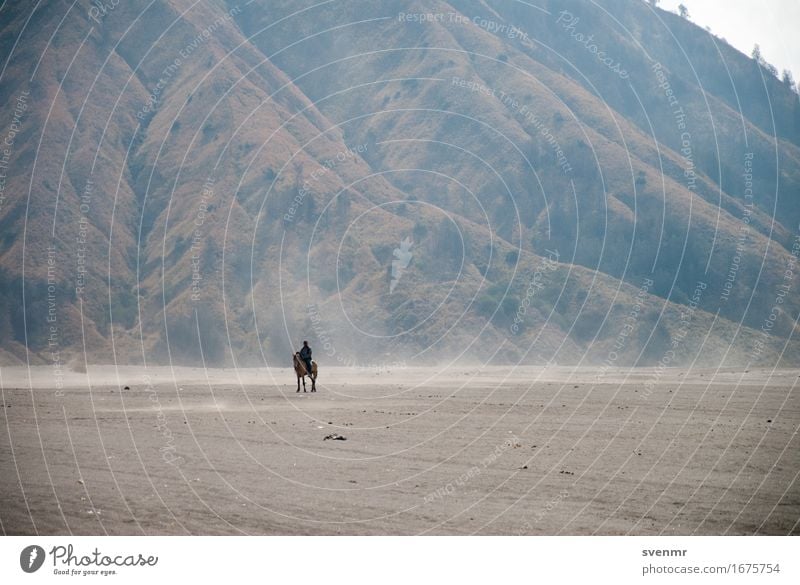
(756, 54)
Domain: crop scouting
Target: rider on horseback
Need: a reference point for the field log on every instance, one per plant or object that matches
(305, 355)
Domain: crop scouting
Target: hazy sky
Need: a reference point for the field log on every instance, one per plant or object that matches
(772, 24)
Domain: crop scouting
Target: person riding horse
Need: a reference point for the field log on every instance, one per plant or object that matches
(305, 355)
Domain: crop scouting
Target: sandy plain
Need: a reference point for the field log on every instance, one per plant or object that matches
(481, 450)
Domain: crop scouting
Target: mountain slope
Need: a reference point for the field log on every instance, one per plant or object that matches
(208, 182)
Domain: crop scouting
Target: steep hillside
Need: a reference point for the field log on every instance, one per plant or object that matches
(211, 182)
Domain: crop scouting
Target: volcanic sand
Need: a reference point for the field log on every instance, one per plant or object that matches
(486, 450)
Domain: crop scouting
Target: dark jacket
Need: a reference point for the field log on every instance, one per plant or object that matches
(305, 353)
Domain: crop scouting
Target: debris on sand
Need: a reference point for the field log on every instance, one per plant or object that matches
(334, 437)
(127, 388)
(567, 472)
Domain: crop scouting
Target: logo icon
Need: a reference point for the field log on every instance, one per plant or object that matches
(31, 558)
(403, 256)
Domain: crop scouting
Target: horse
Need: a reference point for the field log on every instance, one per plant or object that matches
(300, 370)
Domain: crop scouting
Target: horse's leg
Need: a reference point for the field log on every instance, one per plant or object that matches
(298, 383)
(304, 383)
(313, 383)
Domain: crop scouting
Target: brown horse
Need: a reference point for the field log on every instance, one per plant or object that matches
(300, 370)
